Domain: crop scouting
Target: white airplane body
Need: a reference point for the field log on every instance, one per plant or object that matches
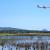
(42, 7)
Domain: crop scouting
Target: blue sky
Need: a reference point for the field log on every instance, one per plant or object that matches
(24, 14)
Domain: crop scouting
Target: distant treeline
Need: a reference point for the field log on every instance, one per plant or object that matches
(22, 31)
(15, 30)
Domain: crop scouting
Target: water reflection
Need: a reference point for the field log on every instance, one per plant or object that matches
(22, 42)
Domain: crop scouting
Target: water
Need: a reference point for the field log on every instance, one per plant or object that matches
(18, 39)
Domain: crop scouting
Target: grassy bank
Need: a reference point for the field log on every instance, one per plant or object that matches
(24, 34)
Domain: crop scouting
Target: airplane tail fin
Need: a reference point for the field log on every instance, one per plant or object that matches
(38, 6)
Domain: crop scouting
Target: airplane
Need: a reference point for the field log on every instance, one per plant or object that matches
(42, 7)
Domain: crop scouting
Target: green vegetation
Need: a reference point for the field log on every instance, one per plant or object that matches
(8, 31)
(7, 34)
(25, 34)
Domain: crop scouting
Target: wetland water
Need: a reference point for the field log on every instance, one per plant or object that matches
(12, 41)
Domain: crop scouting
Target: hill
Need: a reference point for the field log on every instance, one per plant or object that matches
(17, 30)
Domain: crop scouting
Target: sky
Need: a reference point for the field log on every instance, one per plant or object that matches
(24, 14)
